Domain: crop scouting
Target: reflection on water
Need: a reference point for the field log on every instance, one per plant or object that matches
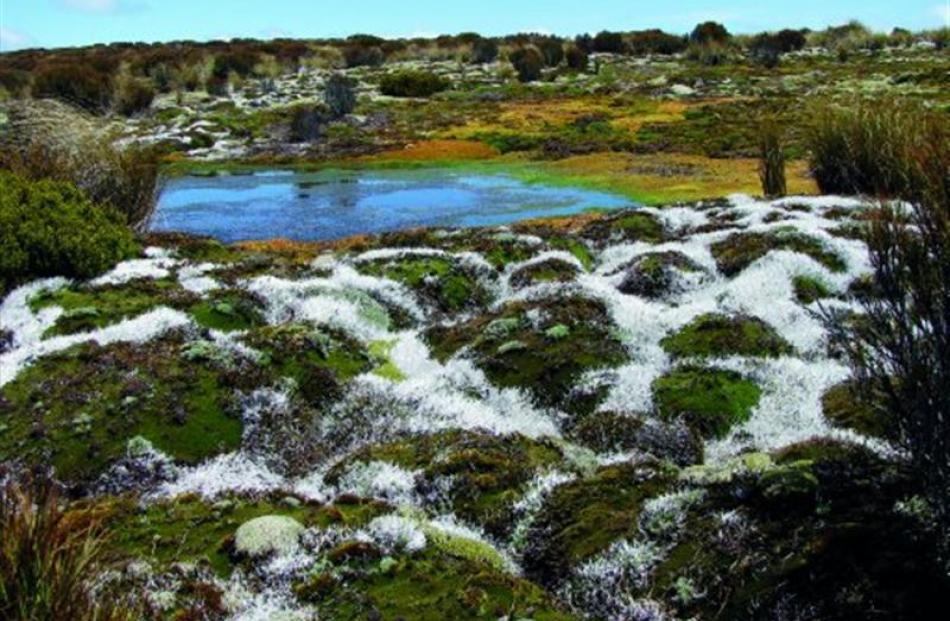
(330, 204)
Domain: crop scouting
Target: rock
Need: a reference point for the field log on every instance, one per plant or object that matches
(681, 90)
(269, 534)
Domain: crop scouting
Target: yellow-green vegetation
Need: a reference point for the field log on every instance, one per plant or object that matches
(711, 401)
(653, 275)
(228, 310)
(515, 350)
(551, 270)
(76, 410)
(582, 517)
(380, 351)
(716, 335)
(810, 289)
(739, 250)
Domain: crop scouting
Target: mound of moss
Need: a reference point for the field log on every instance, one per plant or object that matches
(543, 346)
(844, 407)
(228, 310)
(810, 289)
(77, 409)
(717, 335)
(710, 401)
(654, 275)
(87, 308)
(441, 280)
(614, 432)
(582, 517)
(736, 252)
(625, 226)
(551, 270)
(485, 473)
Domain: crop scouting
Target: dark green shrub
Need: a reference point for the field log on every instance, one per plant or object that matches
(410, 83)
(771, 160)
(240, 61)
(655, 42)
(484, 51)
(765, 50)
(50, 228)
(709, 54)
(790, 40)
(14, 81)
(217, 85)
(339, 95)
(576, 58)
(710, 32)
(606, 41)
(133, 96)
(306, 123)
(76, 84)
(528, 62)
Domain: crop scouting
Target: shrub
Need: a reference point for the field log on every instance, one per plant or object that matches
(765, 50)
(656, 42)
(80, 85)
(339, 95)
(528, 62)
(576, 58)
(241, 62)
(790, 40)
(771, 160)
(710, 54)
(710, 32)
(48, 559)
(484, 51)
(360, 56)
(306, 123)
(866, 147)
(901, 346)
(14, 81)
(133, 96)
(552, 50)
(47, 139)
(50, 228)
(410, 83)
(606, 41)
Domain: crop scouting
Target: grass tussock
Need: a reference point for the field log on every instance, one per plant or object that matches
(878, 148)
(772, 160)
(48, 558)
(50, 140)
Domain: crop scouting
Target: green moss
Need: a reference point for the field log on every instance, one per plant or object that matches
(740, 250)
(297, 350)
(582, 517)
(809, 289)
(228, 310)
(711, 401)
(844, 407)
(77, 409)
(551, 270)
(548, 367)
(380, 350)
(441, 279)
(653, 275)
(626, 226)
(487, 471)
(716, 335)
(87, 308)
(576, 247)
(430, 586)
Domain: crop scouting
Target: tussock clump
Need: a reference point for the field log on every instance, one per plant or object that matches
(412, 84)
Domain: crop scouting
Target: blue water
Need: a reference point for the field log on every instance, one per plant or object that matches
(331, 204)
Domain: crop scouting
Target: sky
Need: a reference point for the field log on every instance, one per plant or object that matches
(66, 23)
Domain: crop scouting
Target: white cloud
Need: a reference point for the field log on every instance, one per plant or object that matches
(102, 6)
(11, 39)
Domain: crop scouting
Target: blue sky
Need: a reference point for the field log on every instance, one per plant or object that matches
(56, 23)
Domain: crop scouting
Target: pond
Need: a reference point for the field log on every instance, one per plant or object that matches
(331, 204)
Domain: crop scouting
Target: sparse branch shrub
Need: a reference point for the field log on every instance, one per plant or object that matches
(484, 51)
(709, 54)
(710, 32)
(133, 95)
(339, 95)
(412, 84)
(47, 139)
(771, 160)
(360, 55)
(576, 58)
(528, 62)
(306, 123)
(552, 50)
(241, 62)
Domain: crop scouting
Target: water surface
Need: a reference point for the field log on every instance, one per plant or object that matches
(331, 204)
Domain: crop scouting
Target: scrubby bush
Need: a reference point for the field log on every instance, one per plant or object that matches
(240, 62)
(771, 160)
(900, 348)
(865, 147)
(552, 50)
(790, 40)
(411, 83)
(339, 96)
(484, 51)
(78, 84)
(528, 62)
(655, 42)
(133, 95)
(360, 56)
(709, 32)
(606, 41)
(50, 228)
(709, 54)
(306, 123)
(14, 81)
(576, 58)
(47, 139)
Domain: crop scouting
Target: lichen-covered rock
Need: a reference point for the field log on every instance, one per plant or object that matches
(268, 534)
